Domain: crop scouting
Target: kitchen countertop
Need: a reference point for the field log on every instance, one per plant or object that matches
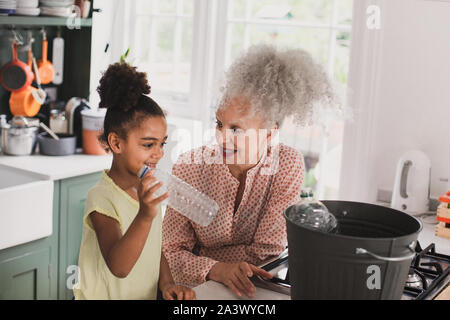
(212, 290)
(57, 168)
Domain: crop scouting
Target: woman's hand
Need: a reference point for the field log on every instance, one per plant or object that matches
(236, 276)
(175, 292)
(148, 205)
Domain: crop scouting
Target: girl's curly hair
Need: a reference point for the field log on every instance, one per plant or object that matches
(123, 91)
(278, 84)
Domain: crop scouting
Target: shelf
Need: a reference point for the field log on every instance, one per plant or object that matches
(40, 21)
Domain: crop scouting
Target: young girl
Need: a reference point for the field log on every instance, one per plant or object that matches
(120, 255)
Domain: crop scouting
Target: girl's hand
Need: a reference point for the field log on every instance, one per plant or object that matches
(176, 292)
(236, 276)
(148, 205)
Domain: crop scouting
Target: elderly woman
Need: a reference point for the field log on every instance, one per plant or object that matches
(251, 178)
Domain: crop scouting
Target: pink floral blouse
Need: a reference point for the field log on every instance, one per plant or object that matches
(256, 231)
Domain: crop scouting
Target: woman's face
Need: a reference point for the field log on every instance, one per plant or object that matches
(144, 144)
(241, 135)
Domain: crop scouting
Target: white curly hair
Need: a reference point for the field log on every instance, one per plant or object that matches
(278, 84)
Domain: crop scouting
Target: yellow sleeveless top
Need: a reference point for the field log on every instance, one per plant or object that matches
(95, 279)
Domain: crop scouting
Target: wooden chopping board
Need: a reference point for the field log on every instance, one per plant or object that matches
(444, 294)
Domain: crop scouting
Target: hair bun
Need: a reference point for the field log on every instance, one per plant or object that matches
(121, 86)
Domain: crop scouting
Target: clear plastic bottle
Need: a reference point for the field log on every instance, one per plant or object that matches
(184, 198)
(312, 214)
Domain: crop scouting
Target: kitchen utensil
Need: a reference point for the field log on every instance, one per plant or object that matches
(92, 128)
(19, 137)
(23, 103)
(16, 75)
(27, 3)
(50, 132)
(368, 258)
(39, 94)
(30, 64)
(56, 3)
(3, 123)
(7, 7)
(57, 11)
(412, 183)
(28, 102)
(21, 121)
(45, 67)
(27, 11)
(65, 145)
(58, 121)
(74, 107)
(58, 59)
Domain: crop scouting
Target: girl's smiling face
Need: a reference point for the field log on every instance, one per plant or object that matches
(144, 145)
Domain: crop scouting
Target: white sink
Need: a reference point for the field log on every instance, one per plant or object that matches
(26, 207)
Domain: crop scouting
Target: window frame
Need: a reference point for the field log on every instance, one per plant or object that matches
(209, 56)
(211, 38)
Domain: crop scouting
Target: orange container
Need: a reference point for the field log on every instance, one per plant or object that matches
(22, 103)
(92, 122)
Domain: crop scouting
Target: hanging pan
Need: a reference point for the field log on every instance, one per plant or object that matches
(16, 75)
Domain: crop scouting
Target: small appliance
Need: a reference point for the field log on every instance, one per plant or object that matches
(411, 191)
(73, 114)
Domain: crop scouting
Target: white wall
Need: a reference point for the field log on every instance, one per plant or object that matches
(400, 77)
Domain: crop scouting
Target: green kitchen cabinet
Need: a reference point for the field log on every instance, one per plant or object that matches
(30, 270)
(39, 269)
(73, 193)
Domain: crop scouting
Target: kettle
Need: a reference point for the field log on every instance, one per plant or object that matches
(411, 191)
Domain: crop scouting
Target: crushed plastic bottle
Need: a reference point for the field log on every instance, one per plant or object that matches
(312, 214)
(184, 198)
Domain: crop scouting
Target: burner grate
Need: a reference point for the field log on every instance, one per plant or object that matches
(428, 265)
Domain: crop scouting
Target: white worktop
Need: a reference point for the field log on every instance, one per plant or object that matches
(212, 290)
(58, 167)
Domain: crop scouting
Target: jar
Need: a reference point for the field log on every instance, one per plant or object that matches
(92, 122)
(58, 121)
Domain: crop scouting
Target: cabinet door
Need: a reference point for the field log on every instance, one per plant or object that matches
(72, 201)
(27, 276)
(30, 270)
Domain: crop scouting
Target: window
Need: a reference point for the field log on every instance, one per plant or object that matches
(185, 45)
(163, 44)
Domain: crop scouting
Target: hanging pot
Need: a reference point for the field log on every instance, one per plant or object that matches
(16, 75)
(45, 67)
(27, 102)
